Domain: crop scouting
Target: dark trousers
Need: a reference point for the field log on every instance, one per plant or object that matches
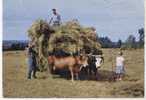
(32, 72)
(31, 68)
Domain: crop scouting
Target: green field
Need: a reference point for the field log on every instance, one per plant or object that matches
(15, 83)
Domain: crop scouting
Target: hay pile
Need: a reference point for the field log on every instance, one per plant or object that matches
(70, 38)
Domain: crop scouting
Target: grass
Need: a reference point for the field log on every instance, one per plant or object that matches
(15, 83)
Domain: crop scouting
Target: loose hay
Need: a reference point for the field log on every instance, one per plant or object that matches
(70, 38)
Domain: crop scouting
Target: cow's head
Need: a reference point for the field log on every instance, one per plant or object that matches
(99, 60)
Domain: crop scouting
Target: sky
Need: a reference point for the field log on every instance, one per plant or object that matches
(116, 19)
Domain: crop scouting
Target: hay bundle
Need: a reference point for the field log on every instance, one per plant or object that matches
(39, 34)
(70, 38)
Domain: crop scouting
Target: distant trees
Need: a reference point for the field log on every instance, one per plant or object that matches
(141, 37)
(17, 46)
(105, 42)
(119, 43)
(14, 46)
(130, 42)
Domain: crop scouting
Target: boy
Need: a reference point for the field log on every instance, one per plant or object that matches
(120, 66)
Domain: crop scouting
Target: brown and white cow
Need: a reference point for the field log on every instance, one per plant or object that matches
(73, 63)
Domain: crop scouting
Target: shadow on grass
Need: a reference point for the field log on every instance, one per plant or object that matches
(104, 75)
(42, 77)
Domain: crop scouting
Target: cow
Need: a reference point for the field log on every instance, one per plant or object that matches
(94, 63)
(73, 63)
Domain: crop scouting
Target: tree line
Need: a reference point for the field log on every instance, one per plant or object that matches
(13, 45)
(128, 44)
(105, 42)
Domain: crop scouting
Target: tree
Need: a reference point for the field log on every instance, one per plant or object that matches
(16, 46)
(130, 42)
(141, 37)
(119, 43)
(105, 42)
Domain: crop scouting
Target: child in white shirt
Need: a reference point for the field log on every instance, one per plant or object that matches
(120, 66)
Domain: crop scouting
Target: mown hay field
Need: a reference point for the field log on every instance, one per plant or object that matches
(15, 83)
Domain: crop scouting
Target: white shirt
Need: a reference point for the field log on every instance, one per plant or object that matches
(56, 18)
(120, 61)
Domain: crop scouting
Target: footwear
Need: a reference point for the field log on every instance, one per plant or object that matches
(28, 77)
(34, 77)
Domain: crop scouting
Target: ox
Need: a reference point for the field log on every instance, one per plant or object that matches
(73, 63)
(92, 64)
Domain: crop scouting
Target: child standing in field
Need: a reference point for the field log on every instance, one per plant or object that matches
(120, 66)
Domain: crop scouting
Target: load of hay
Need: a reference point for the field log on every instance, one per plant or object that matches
(70, 38)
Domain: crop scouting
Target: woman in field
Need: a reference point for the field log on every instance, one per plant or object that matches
(120, 70)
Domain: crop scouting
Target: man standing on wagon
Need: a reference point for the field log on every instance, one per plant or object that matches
(55, 19)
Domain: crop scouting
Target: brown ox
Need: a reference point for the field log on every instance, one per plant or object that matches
(73, 63)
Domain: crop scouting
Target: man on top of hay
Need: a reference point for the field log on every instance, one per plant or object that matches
(55, 19)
